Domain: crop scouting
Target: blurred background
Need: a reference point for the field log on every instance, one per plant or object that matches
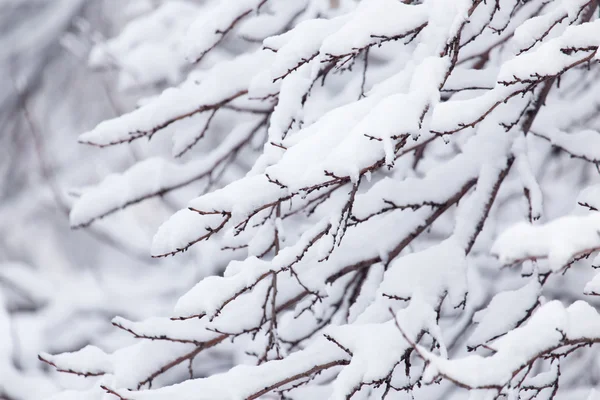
(59, 288)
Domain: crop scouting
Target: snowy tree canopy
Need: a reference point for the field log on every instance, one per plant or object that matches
(404, 194)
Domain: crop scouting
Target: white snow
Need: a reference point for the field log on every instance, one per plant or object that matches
(560, 240)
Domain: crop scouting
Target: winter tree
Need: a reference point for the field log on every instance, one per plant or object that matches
(385, 199)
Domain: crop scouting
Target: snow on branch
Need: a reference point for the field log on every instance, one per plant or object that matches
(175, 104)
(370, 169)
(553, 333)
(560, 241)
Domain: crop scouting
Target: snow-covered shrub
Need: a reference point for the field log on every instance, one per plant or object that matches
(395, 188)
